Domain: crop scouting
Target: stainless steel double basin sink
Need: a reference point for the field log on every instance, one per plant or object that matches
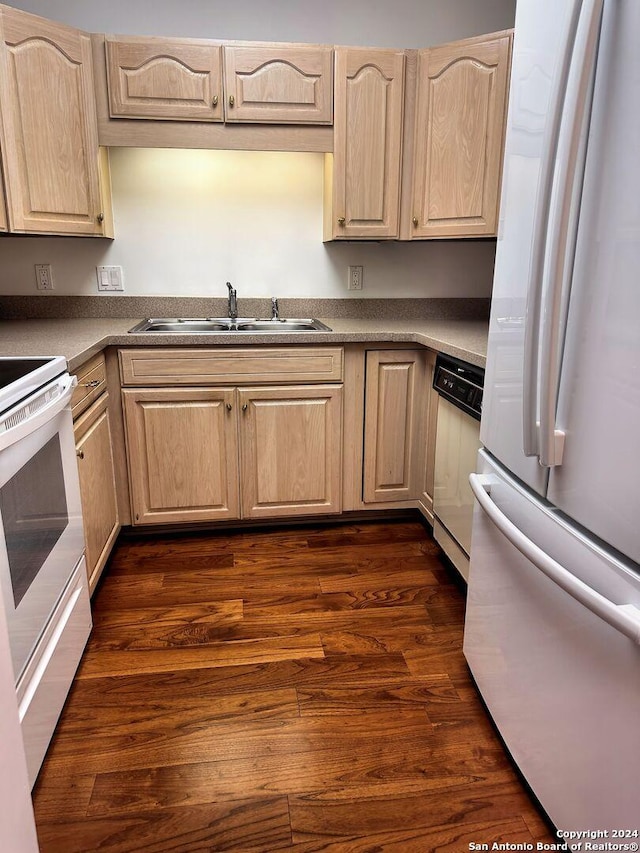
(226, 324)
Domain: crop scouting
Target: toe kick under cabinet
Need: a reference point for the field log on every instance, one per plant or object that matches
(232, 433)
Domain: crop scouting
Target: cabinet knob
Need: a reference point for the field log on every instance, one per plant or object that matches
(415, 221)
(80, 454)
(100, 218)
(93, 384)
(214, 101)
(341, 220)
(232, 100)
(229, 407)
(244, 407)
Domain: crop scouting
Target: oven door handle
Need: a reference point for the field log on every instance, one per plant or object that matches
(625, 618)
(33, 422)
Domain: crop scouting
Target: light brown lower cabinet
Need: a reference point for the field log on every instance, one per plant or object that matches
(3, 203)
(393, 425)
(426, 463)
(203, 454)
(182, 453)
(291, 450)
(92, 433)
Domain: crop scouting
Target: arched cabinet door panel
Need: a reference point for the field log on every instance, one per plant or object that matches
(165, 79)
(459, 134)
(279, 84)
(368, 112)
(49, 133)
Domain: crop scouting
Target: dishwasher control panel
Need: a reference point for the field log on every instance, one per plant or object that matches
(460, 383)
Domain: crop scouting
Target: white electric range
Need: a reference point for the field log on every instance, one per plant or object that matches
(43, 583)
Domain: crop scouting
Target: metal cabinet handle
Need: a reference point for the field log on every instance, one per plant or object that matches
(100, 218)
(341, 220)
(229, 407)
(92, 384)
(415, 221)
(232, 100)
(80, 454)
(214, 101)
(244, 407)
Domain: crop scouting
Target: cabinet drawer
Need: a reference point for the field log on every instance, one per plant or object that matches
(230, 366)
(92, 381)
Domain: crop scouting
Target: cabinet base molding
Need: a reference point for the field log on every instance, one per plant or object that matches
(194, 528)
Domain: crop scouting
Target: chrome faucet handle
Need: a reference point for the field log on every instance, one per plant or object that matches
(275, 311)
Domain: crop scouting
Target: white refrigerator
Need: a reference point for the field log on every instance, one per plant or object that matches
(552, 629)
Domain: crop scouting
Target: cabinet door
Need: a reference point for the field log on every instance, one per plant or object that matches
(3, 201)
(461, 111)
(169, 79)
(427, 438)
(393, 409)
(369, 89)
(50, 142)
(97, 486)
(283, 84)
(291, 450)
(182, 454)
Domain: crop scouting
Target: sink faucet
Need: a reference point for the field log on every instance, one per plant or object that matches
(275, 311)
(232, 302)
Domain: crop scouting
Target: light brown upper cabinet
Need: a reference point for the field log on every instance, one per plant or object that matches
(168, 79)
(362, 182)
(279, 84)
(458, 139)
(49, 134)
(182, 80)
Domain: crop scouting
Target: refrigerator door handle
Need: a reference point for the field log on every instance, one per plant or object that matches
(539, 240)
(562, 225)
(625, 618)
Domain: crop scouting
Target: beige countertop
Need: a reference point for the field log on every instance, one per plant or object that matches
(78, 339)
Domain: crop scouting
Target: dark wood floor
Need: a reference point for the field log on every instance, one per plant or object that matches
(303, 689)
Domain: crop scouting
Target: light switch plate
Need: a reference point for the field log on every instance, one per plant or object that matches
(110, 278)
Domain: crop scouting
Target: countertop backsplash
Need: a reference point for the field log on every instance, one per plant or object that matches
(61, 307)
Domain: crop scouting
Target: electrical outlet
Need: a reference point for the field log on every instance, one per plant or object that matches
(355, 278)
(110, 278)
(44, 277)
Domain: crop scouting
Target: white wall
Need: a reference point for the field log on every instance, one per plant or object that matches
(399, 23)
(187, 221)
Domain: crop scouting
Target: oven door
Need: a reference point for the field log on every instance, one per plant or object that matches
(41, 536)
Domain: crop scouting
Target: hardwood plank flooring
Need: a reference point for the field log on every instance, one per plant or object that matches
(300, 690)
